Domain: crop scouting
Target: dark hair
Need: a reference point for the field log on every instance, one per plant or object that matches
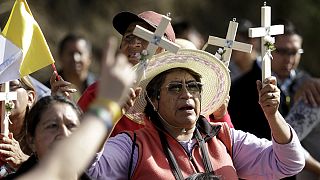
(289, 28)
(243, 28)
(180, 26)
(154, 86)
(34, 115)
(73, 38)
(184, 28)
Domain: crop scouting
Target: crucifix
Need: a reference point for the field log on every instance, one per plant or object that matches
(155, 40)
(7, 97)
(229, 43)
(265, 32)
(7, 50)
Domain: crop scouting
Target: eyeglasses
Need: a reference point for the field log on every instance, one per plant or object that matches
(288, 52)
(192, 87)
(131, 39)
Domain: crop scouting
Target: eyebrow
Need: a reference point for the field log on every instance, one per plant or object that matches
(47, 121)
(175, 81)
(180, 81)
(191, 81)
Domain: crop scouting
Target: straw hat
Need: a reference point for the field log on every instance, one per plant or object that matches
(215, 77)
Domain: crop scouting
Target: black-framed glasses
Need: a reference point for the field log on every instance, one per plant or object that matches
(289, 52)
(192, 87)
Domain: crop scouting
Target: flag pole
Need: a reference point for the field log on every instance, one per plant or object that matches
(55, 71)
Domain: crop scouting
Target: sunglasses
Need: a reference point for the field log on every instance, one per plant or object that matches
(288, 52)
(192, 87)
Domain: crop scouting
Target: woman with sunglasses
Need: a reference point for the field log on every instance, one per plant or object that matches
(14, 149)
(179, 92)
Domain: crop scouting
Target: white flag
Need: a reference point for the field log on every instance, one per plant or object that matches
(10, 60)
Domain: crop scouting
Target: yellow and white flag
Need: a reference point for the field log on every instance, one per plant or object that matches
(23, 31)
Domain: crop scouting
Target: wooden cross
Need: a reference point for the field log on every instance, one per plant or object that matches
(6, 96)
(229, 43)
(156, 39)
(6, 50)
(265, 30)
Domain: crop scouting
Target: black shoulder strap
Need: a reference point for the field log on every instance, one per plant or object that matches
(204, 152)
(132, 152)
(176, 171)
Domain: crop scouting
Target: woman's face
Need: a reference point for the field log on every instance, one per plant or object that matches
(56, 123)
(178, 106)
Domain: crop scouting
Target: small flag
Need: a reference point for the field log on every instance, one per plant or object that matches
(22, 30)
(10, 60)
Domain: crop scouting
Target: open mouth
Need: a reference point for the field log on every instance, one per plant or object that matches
(134, 55)
(186, 108)
(78, 66)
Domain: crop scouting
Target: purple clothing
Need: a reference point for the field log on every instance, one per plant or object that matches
(256, 158)
(253, 158)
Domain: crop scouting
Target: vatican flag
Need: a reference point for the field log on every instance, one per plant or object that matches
(23, 31)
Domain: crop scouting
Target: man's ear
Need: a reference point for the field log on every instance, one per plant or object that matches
(31, 97)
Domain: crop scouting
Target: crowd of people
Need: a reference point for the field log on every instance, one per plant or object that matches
(175, 122)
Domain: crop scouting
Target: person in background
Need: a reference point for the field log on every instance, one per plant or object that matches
(131, 46)
(244, 101)
(75, 57)
(291, 80)
(185, 30)
(68, 157)
(50, 120)
(14, 149)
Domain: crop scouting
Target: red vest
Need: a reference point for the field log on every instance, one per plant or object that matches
(152, 162)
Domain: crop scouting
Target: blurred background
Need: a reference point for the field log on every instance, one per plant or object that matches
(93, 19)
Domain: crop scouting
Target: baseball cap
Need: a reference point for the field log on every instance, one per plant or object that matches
(122, 21)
